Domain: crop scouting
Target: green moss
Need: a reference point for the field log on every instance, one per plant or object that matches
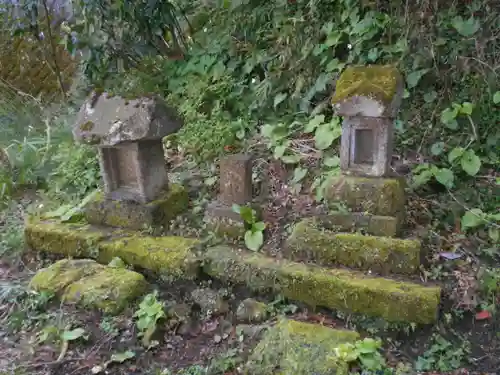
(378, 82)
(76, 240)
(131, 215)
(87, 126)
(383, 255)
(375, 225)
(339, 289)
(90, 284)
(292, 347)
(376, 196)
(170, 256)
(110, 290)
(226, 227)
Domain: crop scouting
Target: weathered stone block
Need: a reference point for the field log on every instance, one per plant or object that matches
(299, 348)
(376, 196)
(339, 289)
(171, 257)
(132, 215)
(383, 255)
(235, 179)
(90, 284)
(387, 226)
(223, 221)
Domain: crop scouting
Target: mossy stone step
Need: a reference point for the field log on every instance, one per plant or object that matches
(384, 255)
(90, 284)
(339, 289)
(171, 257)
(299, 348)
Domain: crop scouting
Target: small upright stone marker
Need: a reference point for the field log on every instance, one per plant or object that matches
(235, 187)
(368, 98)
(128, 134)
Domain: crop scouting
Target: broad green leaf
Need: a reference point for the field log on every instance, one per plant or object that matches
(430, 96)
(278, 99)
(467, 108)
(455, 154)
(496, 97)
(279, 151)
(449, 115)
(422, 178)
(333, 161)
(437, 148)
(472, 218)
(254, 240)
(72, 335)
(445, 177)
(494, 234)
(325, 136)
(414, 77)
(467, 27)
(298, 174)
(247, 214)
(236, 208)
(314, 123)
(122, 357)
(259, 226)
(470, 162)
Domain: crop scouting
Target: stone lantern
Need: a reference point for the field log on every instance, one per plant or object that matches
(128, 134)
(129, 138)
(368, 97)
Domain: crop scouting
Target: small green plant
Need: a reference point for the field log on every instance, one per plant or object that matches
(365, 353)
(254, 235)
(441, 356)
(149, 313)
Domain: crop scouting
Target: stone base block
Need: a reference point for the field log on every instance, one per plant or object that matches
(155, 215)
(223, 221)
(384, 255)
(375, 225)
(169, 257)
(299, 348)
(90, 284)
(338, 289)
(376, 196)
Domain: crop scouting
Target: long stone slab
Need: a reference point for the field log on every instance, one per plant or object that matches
(338, 289)
(169, 256)
(384, 255)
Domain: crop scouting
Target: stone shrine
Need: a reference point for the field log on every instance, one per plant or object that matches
(128, 134)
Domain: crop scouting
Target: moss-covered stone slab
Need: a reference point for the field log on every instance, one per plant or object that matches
(293, 347)
(376, 196)
(155, 215)
(375, 225)
(169, 256)
(90, 284)
(338, 289)
(369, 91)
(383, 255)
(224, 222)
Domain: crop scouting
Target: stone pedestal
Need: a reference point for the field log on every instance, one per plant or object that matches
(235, 187)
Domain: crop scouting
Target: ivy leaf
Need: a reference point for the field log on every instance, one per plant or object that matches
(455, 153)
(437, 148)
(472, 218)
(278, 99)
(466, 28)
(298, 174)
(314, 123)
(333, 161)
(496, 97)
(414, 77)
(72, 335)
(254, 240)
(422, 178)
(279, 151)
(470, 162)
(445, 177)
(448, 117)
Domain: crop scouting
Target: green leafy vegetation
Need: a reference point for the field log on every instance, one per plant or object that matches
(254, 235)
